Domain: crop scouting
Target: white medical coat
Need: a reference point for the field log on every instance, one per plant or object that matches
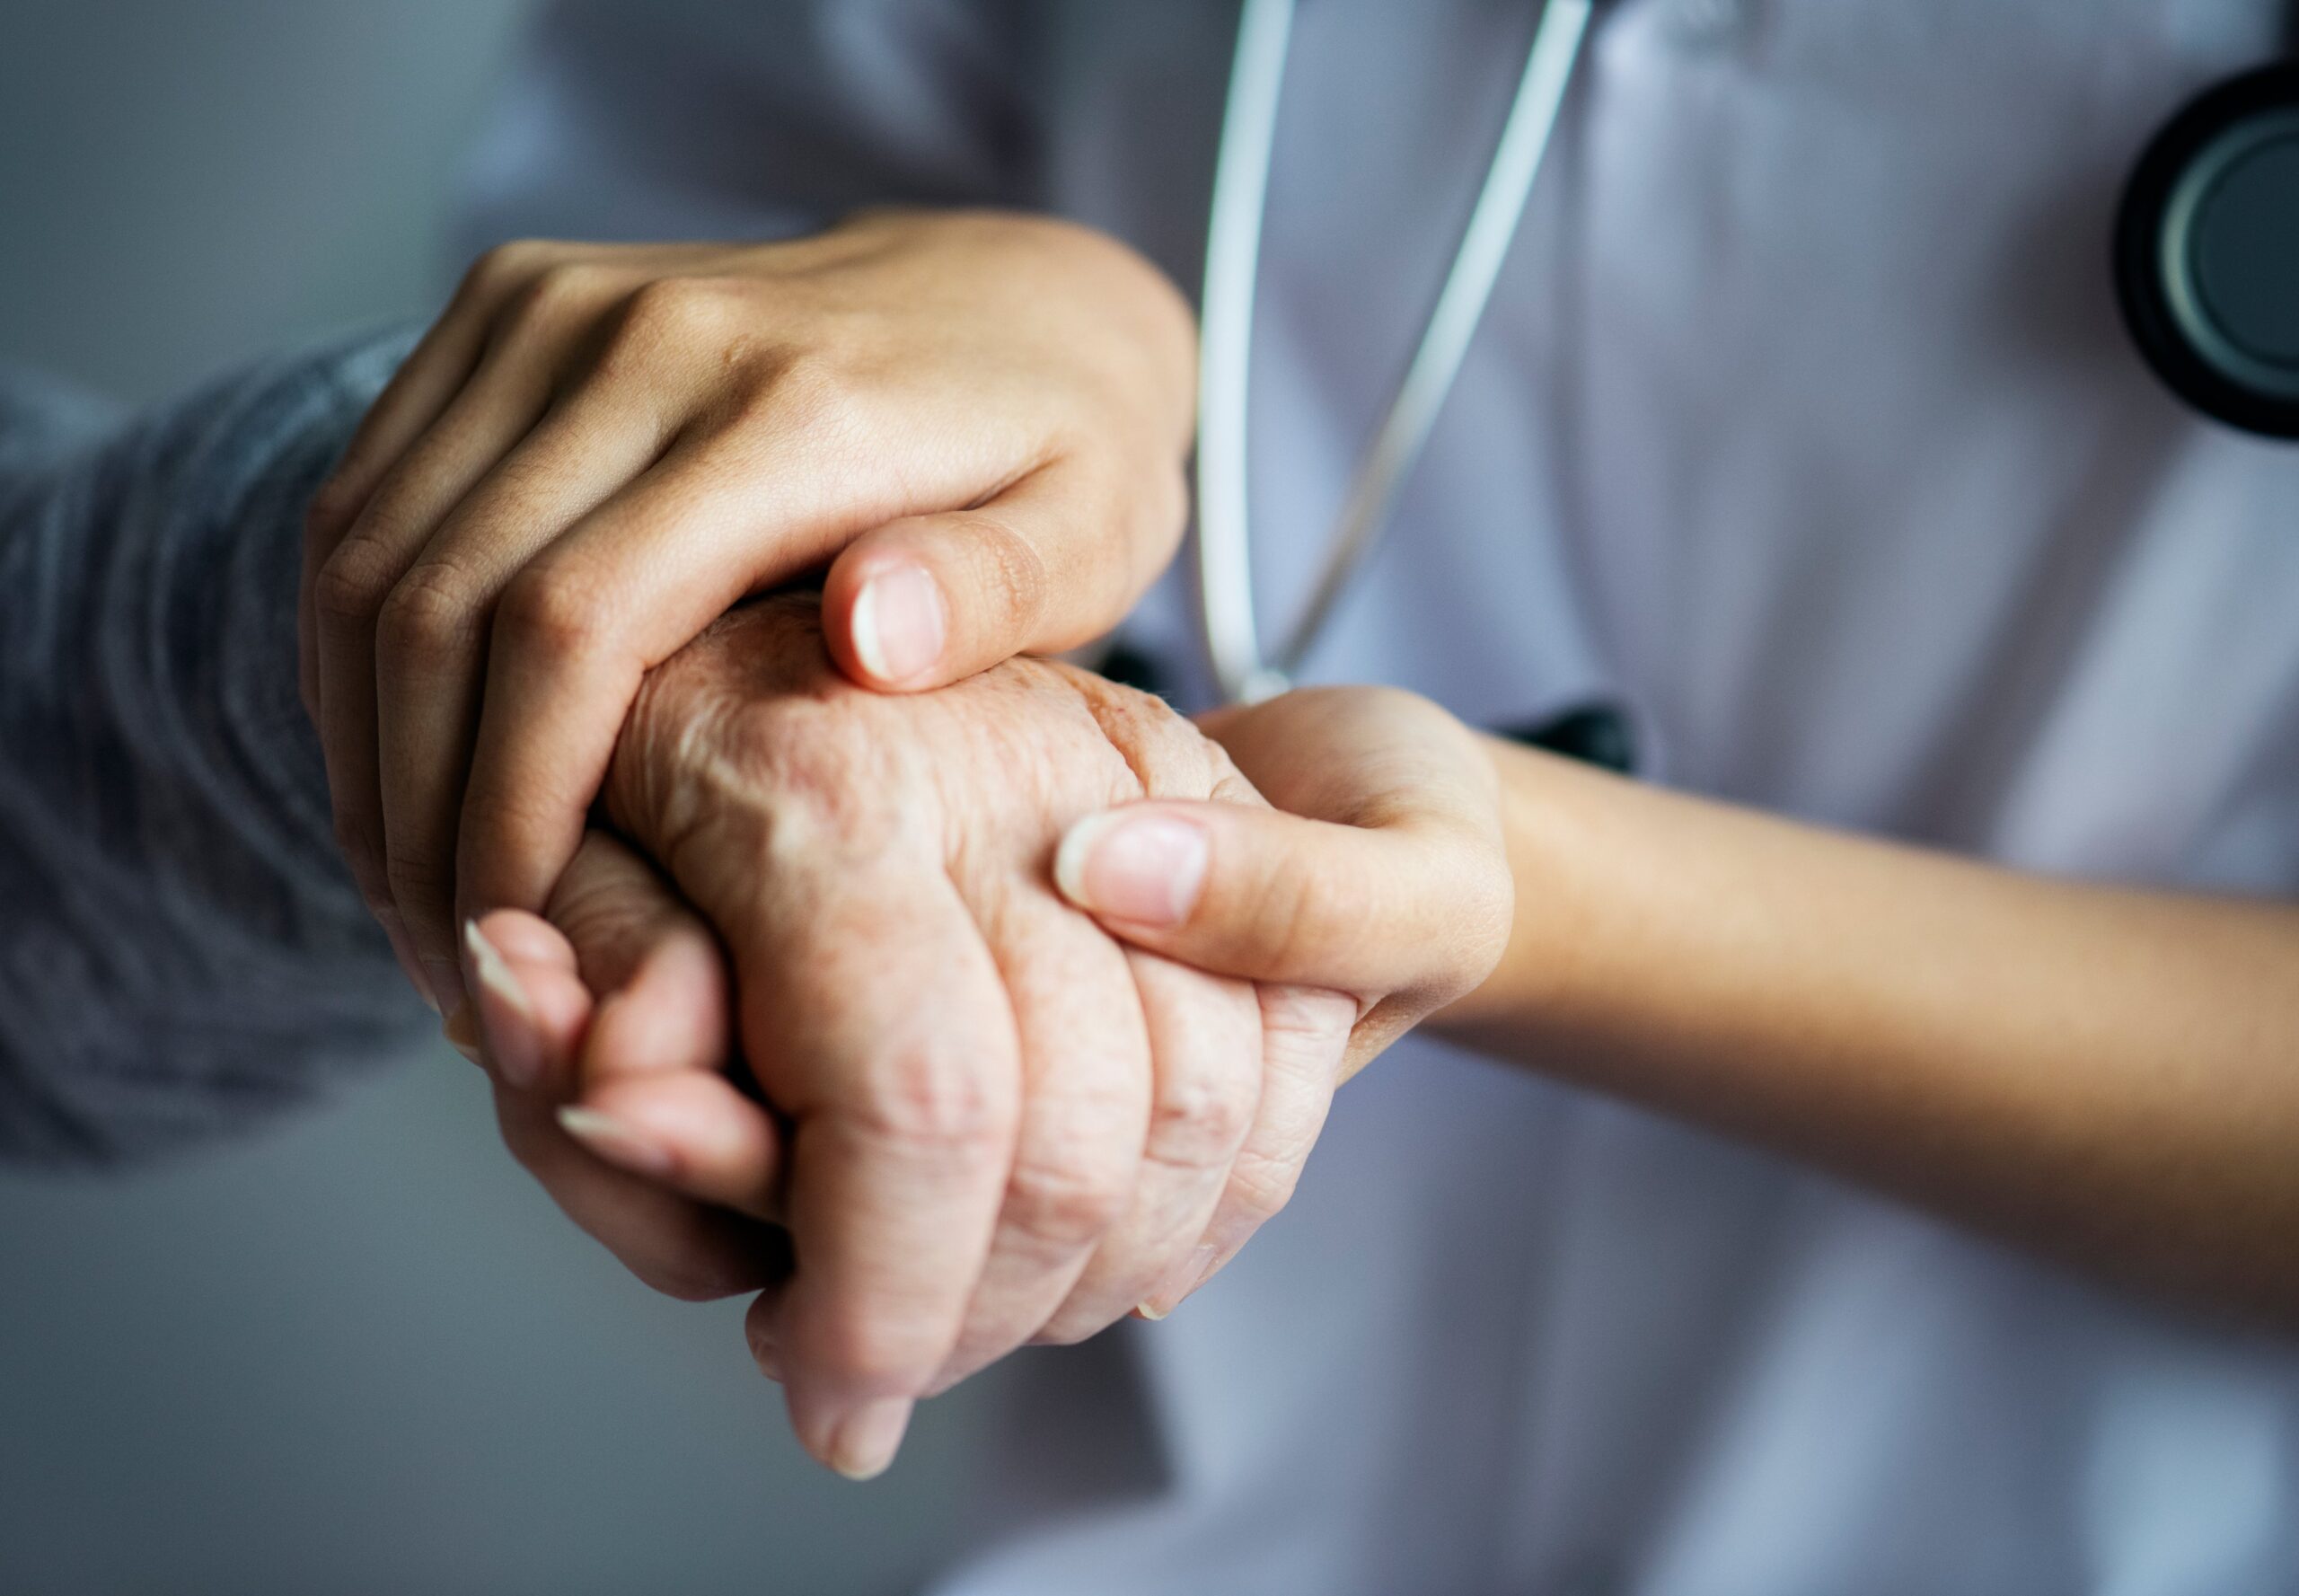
(1803, 425)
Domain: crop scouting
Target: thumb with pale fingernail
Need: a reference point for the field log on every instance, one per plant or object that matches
(1139, 865)
(931, 599)
(1265, 896)
(898, 626)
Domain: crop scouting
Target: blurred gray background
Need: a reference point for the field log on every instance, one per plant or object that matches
(364, 1353)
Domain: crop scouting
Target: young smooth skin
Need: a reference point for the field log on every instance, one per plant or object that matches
(985, 1121)
(2107, 1076)
(976, 422)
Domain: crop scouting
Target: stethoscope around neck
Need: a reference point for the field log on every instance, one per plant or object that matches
(2205, 267)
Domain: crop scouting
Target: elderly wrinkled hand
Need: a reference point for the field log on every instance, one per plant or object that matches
(984, 1121)
(972, 423)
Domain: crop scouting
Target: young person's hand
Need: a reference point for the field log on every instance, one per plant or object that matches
(983, 1120)
(976, 421)
(1381, 870)
(2104, 1073)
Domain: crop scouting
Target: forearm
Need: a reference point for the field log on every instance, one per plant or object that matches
(180, 951)
(2110, 1076)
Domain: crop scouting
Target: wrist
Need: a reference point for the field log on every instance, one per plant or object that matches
(1549, 975)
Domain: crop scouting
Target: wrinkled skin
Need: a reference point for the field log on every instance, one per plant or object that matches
(598, 448)
(989, 1122)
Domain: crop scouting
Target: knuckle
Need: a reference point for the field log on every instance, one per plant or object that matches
(673, 313)
(551, 612)
(1305, 1034)
(504, 266)
(1061, 1205)
(1198, 1117)
(1260, 1187)
(1013, 574)
(350, 583)
(432, 607)
(552, 295)
(813, 390)
(922, 1101)
(574, 285)
(334, 499)
(1297, 1022)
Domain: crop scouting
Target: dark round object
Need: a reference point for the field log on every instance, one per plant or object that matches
(2208, 252)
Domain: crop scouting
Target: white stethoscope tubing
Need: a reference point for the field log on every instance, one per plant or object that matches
(1232, 263)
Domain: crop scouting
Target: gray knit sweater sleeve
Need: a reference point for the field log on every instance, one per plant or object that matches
(181, 952)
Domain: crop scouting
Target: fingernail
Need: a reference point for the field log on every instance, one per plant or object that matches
(1177, 1287)
(867, 1441)
(462, 1032)
(615, 1140)
(506, 1018)
(898, 625)
(1146, 867)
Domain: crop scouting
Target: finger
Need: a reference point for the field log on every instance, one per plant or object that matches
(532, 1004)
(1304, 1036)
(861, 1445)
(1271, 896)
(691, 1132)
(650, 1095)
(628, 586)
(680, 1247)
(1086, 1114)
(645, 573)
(478, 428)
(1206, 1039)
(1046, 565)
(646, 971)
(431, 637)
(656, 967)
(434, 372)
(875, 1019)
(653, 1096)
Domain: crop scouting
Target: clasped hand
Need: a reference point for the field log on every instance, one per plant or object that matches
(982, 1004)
(976, 1114)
